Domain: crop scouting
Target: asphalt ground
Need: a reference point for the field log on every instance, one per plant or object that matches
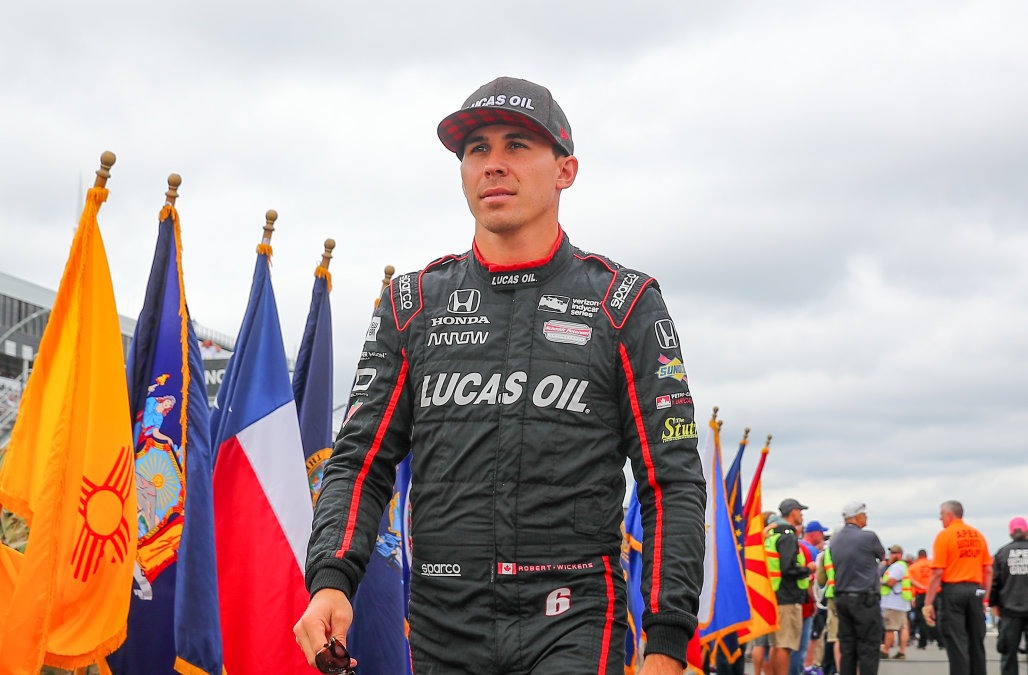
(932, 660)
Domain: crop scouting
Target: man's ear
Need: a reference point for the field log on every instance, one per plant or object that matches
(568, 170)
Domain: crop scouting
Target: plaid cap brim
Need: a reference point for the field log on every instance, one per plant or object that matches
(455, 128)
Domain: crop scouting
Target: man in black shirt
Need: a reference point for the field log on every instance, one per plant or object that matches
(856, 554)
(1009, 595)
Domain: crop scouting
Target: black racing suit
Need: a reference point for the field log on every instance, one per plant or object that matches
(520, 391)
(1009, 593)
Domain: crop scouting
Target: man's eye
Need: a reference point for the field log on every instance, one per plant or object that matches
(477, 148)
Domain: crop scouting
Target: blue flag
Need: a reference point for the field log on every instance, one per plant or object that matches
(312, 382)
(632, 561)
(173, 619)
(733, 489)
(724, 602)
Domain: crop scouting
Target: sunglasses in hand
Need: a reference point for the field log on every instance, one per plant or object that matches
(333, 658)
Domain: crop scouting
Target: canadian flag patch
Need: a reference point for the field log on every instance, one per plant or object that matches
(506, 568)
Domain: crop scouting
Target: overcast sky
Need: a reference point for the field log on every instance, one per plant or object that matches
(831, 195)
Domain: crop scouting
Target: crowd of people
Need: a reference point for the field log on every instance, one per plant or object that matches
(846, 602)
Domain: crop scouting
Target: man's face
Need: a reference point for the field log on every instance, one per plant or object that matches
(946, 517)
(861, 520)
(512, 179)
(815, 537)
(795, 517)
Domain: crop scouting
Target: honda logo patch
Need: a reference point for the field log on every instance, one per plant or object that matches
(667, 338)
(464, 301)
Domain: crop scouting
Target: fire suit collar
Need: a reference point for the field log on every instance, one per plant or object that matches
(525, 274)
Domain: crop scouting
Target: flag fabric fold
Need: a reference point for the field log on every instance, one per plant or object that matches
(728, 644)
(262, 502)
(632, 562)
(173, 620)
(764, 603)
(68, 473)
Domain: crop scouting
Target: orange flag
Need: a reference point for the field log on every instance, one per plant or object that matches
(69, 473)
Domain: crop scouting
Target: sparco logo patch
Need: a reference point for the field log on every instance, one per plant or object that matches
(667, 338)
(677, 429)
(440, 569)
(553, 391)
(618, 300)
(567, 332)
(554, 303)
(406, 294)
(464, 301)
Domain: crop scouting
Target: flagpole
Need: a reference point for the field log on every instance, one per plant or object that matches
(326, 257)
(389, 272)
(107, 160)
(174, 181)
(269, 226)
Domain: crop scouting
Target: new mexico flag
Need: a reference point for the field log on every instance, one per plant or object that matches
(69, 473)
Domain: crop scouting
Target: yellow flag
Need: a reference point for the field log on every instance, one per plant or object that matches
(69, 472)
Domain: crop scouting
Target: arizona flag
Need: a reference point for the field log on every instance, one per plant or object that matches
(173, 620)
(262, 504)
(764, 618)
(68, 473)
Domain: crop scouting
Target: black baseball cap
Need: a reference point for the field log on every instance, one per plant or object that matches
(508, 100)
(789, 505)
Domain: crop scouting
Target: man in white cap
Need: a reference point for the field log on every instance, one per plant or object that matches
(855, 554)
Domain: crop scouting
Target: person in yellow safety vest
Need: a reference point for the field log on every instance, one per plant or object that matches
(825, 577)
(790, 579)
(897, 595)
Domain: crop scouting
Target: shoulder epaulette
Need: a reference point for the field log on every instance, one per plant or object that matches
(624, 290)
(406, 292)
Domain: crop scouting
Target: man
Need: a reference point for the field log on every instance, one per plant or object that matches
(1009, 595)
(962, 573)
(520, 374)
(854, 554)
(920, 572)
(790, 579)
(897, 595)
(813, 645)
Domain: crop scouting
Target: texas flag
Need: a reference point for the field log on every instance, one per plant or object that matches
(262, 504)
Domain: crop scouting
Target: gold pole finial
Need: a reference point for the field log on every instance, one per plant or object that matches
(326, 257)
(389, 272)
(269, 225)
(768, 440)
(713, 417)
(174, 180)
(720, 423)
(107, 160)
(746, 434)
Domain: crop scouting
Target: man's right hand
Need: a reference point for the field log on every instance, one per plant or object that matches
(329, 613)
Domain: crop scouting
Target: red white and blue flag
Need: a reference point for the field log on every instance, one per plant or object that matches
(262, 503)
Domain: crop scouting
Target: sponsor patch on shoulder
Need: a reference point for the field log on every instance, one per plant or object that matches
(663, 402)
(376, 322)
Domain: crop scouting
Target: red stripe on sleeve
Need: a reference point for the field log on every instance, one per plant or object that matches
(376, 445)
(658, 496)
